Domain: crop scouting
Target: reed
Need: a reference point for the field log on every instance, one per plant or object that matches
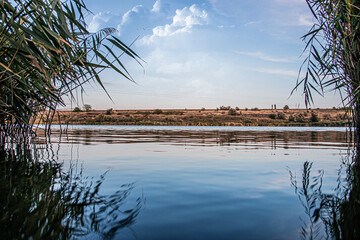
(333, 54)
(47, 53)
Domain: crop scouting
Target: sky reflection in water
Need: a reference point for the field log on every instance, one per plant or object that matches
(207, 183)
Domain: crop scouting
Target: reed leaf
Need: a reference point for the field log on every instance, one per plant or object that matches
(46, 53)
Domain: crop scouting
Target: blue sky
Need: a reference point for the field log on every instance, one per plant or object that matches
(208, 53)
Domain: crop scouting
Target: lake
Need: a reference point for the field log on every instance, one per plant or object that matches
(149, 182)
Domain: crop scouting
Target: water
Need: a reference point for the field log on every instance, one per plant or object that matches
(189, 182)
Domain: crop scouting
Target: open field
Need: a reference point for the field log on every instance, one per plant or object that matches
(205, 117)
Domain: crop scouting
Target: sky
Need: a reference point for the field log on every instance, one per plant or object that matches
(204, 54)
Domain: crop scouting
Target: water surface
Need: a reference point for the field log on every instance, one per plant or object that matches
(203, 182)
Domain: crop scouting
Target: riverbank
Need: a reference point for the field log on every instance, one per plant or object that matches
(204, 117)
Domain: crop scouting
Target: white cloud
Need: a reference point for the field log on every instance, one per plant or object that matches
(133, 13)
(251, 23)
(183, 21)
(156, 6)
(305, 20)
(226, 26)
(138, 16)
(284, 72)
(102, 20)
(265, 57)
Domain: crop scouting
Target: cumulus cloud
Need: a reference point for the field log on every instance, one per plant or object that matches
(183, 21)
(134, 13)
(102, 20)
(138, 16)
(265, 57)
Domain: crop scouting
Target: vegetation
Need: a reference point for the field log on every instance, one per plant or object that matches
(109, 111)
(158, 111)
(87, 107)
(232, 112)
(314, 117)
(281, 116)
(286, 107)
(77, 109)
(272, 116)
(333, 60)
(225, 108)
(46, 53)
(210, 117)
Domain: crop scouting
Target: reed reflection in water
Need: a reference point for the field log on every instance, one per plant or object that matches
(39, 200)
(330, 214)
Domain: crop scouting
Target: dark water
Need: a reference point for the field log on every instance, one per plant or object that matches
(172, 183)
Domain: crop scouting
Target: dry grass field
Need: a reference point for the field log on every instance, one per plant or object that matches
(205, 117)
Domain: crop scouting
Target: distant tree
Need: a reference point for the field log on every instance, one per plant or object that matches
(87, 107)
(286, 107)
(237, 108)
(77, 109)
(225, 108)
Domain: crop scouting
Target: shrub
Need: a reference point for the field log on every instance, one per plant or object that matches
(340, 116)
(237, 108)
(299, 118)
(292, 118)
(232, 112)
(272, 116)
(314, 117)
(255, 109)
(286, 107)
(158, 111)
(225, 108)
(281, 116)
(327, 116)
(109, 111)
(77, 109)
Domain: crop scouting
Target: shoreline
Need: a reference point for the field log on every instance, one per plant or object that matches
(205, 117)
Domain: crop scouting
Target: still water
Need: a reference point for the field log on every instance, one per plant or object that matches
(132, 182)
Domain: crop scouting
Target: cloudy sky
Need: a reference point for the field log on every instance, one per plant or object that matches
(205, 53)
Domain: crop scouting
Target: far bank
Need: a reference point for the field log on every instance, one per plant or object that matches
(203, 117)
